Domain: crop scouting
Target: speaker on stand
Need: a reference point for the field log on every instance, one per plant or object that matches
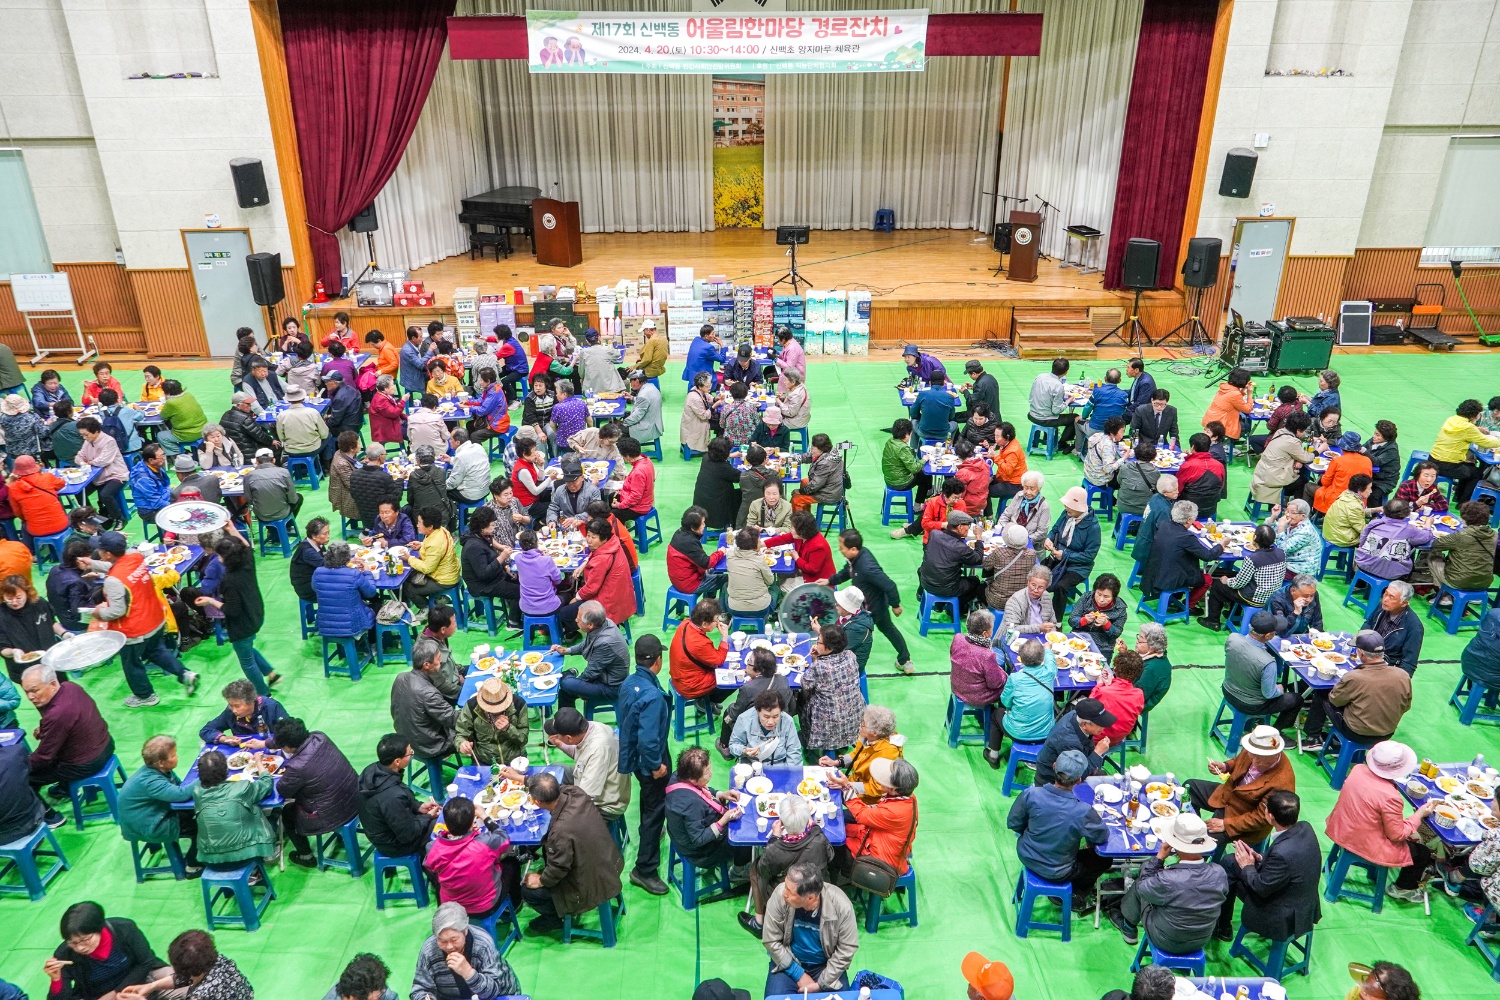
(1141, 256)
(1003, 229)
(266, 285)
(1200, 272)
(366, 222)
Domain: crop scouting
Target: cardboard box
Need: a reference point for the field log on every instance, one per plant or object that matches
(408, 300)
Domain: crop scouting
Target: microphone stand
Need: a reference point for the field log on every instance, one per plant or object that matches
(1003, 198)
(1042, 254)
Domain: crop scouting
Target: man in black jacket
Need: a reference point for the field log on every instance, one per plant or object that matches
(244, 430)
(370, 486)
(388, 812)
(882, 597)
(1280, 886)
(1155, 422)
(1081, 729)
(948, 552)
(346, 412)
(1296, 606)
(981, 388)
(21, 811)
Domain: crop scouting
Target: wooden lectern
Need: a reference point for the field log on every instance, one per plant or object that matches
(1025, 235)
(556, 226)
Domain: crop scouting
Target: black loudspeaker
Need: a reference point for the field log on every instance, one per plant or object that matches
(1201, 268)
(1002, 237)
(265, 278)
(249, 181)
(365, 222)
(1239, 171)
(1141, 257)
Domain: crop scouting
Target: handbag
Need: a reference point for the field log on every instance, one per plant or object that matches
(876, 876)
(392, 611)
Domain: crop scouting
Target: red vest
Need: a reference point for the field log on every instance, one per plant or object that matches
(145, 614)
(525, 496)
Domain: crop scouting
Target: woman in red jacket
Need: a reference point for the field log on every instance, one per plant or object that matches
(886, 829)
(605, 575)
(975, 473)
(386, 412)
(814, 557)
(693, 657)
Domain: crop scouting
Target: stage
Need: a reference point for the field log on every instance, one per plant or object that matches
(930, 286)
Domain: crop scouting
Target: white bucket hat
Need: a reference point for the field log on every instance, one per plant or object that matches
(1263, 741)
(1186, 832)
(1392, 760)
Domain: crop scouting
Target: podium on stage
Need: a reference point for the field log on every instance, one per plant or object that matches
(556, 226)
(1025, 235)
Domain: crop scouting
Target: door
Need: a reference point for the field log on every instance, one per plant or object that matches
(23, 244)
(216, 258)
(1255, 264)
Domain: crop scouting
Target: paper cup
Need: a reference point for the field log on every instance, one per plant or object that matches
(482, 649)
(520, 764)
(761, 823)
(451, 792)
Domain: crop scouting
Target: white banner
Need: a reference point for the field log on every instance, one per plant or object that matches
(737, 6)
(802, 42)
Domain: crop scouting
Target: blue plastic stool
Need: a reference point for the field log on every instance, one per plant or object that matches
(236, 885)
(1275, 965)
(885, 220)
(832, 514)
(1486, 917)
(930, 603)
(1160, 610)
(674, 597)
(491, 925)
(647, 530)
(464, 507)
(799, 435)
(1467, 698)
(908, 501)
(681, 728)
(1351, 752)
(1193, 962)
(102, 784)
(689, 454)
(1337, 869)
(618, 831)
(346, 527)
(1416, 458)
(49, 543)
(594, 706)
(1376, 587)
(304, 468)
(652, 450)
(1242, 612)
(1342, 559)
(401, 632)
(1100, 499)
(21, 855)
(956, 711)
(1257, 510)
(1455, 618)
(410, 863)
(1228, 730)
(1048, 436)
(691, 882)
(1020, 753)
(490, 622)
(610, 911)
(347, 837)
(285, 530)
(1135, 577)
(1123, 526)
(141, 853)
(640, 591)
(1485, 490)
(455, 594)
(355, 658)
(548, 622)
(1135, 742)
(906, 894)
(309, 618)
(741, 622)
(1029, 889)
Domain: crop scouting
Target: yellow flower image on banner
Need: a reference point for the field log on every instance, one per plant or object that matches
(739, 106)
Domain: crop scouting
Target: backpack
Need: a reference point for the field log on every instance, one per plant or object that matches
(112, 425)
(365, 380)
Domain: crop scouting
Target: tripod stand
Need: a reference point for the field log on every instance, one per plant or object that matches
(372, 265)
(1191, 332)
(1003, 198)
(793, 275)
(1041, 253)
(1129, 330)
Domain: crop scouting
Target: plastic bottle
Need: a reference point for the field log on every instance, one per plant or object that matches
(864, 993)
(1479, 761)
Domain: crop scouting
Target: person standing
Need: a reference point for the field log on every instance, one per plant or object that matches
(882, 596)
(244, 612)
(132, 606)
(643, 714)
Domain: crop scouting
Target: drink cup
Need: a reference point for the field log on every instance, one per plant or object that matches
(482, 649)
(757, 767)
(761, 823)
(451, 792)
(1151, 841)
(1474, 772)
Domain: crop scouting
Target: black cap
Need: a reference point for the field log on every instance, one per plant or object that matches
(647, 650)
(717, 989)
(1093, 710)
(744, 351)
(566, 721)
(973, 366)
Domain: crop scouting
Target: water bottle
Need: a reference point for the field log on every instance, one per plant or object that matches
(864, 993)
(1479, 761)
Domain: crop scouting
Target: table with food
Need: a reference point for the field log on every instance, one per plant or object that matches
(940, 460)
(791, 649)
(760, 396)
(1490, 456)
(762, 789)
(353, 357)
(840, 995)
(788, 463)
(1261, 408)
(150, 413)
(1438, 524)
(1235, 536)
(908, 393)
(989, 532)
(455, 408)
(1128, 803)
(231, 478)
(387, 565)
(781, 559)
(1464, 793)
(505, 801)
(1078, 393)
(77, 479)
(1318, 658)
(1168, 459)
(9, 737)
(1231, 988)
(181, 558)
(566, 548)
(1080, 665)
(400, 466)
(244, 765)
(533, 676)
(269, 415)
(607, 405)
(596, 470)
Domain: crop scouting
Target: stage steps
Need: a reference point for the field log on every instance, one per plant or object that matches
(1052, 333)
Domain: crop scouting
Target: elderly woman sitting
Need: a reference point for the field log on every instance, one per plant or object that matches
(795, 839)
(1029, 508)
(1027, 698)
(218, 450)
(1100, 614)
(976, 673)
(767, 735)
(1297, 538)
(1156, 670)
(1029, 610)
(698, 818)
(1120, 695)
(460, 962)
(878, 740)
(883, 829)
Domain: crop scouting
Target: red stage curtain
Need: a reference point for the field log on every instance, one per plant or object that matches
(359, 72)
(1161, 131)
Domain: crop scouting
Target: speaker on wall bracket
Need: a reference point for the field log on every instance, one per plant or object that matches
(249, 181)
(1239, 171)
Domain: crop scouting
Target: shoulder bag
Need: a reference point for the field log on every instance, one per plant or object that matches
(876, 876)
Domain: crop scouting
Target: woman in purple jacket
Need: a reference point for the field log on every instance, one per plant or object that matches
(977, 675)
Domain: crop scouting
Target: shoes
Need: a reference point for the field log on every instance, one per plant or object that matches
(193, 871)
(1223, 934)
(303, 860)
(189, 680)
(1131, 937)
(1210, 624)
(1311, 744)
(1083, 904)
(650, 883)
(543, 925)
(993, 759)
(739, 873)
(54, 819)
(899, 533)
(146, 702)
(907, 668)
(750, 922)
(57, 793)
(1405, 895)
(272, 679)
(1111, 886)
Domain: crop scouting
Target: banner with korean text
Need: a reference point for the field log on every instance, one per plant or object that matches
(610, 42)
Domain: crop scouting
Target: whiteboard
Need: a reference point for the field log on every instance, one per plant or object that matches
(42, 292)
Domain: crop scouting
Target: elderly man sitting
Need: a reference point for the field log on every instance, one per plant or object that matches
(1279, 884)
(1250, 674)
(1399, 626)
(1367, 703)
(1081, 729)
(1050, 821)
(582, 864)
(1029, 610)
(810, 932)
(1296, 606)
(1260, 768)
(73, 740)
(460, 961)
(605, 655)
(1179, 905)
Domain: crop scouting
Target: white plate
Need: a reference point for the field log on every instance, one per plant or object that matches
(758, 785)
(545, 683)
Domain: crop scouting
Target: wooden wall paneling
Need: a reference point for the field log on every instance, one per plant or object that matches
(940, 321)
(1311, 286)
(1383, 273)
(1394, 273)
(1215, 77)
(169, 312)
(106, 310)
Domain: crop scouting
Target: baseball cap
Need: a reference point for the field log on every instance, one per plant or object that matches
(649, 324)
(1263, 623)
(991, 980)
(261, 453)
(973, 366)
(572, 469)
(717, 989)
(647, 650)
(637, 375)
(112, 542)
(333, 376)
(565, 721)
(1071, 764)
(1369, 641)
(591, 335)
(1093, 710)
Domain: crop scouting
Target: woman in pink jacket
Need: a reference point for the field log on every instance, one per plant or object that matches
(468, 863)
(1367, 819)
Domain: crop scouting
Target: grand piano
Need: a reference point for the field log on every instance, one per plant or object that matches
(490, 218)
